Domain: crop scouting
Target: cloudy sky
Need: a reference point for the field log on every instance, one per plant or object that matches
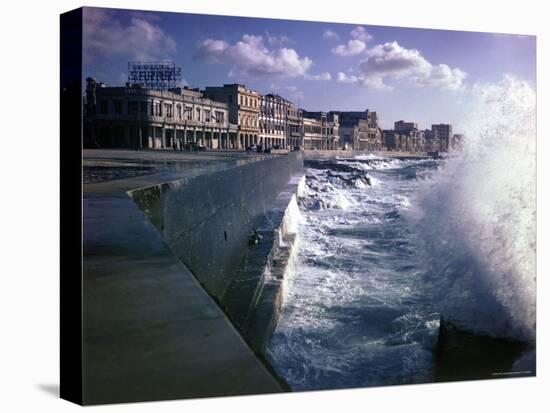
(420, 75)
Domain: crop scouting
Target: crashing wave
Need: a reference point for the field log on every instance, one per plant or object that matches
(476, 218)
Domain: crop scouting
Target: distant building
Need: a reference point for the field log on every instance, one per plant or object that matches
(405, 137)
(244, 110)
(294, 126)
(391, 140)
(132, 116)
(402, 126)
(430, 143)
(359, 129)
(320, 130)
(443, 133)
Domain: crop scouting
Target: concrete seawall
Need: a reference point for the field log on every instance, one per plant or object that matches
(206, 220)
(150, 331)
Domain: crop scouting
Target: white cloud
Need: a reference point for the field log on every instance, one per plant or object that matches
(105, 36)
(353, 47)
(330, 35)
(373, 83)
(343, 78)
(356, 45)
(390, 61)
(249, 56)
(442, 76)
(360, 33)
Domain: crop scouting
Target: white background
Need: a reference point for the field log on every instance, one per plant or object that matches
(29, 206)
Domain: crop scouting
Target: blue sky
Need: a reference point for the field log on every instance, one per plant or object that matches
(418, 75)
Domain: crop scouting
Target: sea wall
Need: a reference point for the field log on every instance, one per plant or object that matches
(207, 221)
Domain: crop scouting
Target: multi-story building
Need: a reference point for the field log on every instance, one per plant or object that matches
(432, 144)
(294, 126)
(443, 133)
(411, 138)
(359, 129)
(136, 117)
(402, 126)
(244, 110)
(321, 130)
(366, 137)
(406, 140)
(273, 121)
(391, 140)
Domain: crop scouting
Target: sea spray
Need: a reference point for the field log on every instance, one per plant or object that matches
(293, 218)
(265, 308)
(475, 218)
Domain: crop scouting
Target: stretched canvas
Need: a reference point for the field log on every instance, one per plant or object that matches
(267, 206)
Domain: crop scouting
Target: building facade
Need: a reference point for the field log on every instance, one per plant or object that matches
(244, 110)
(402, 126)
(294, 126)
(136, 117)
(234, 117)
(359, 130)
(273, 121)
(443, 134)
(320, 131)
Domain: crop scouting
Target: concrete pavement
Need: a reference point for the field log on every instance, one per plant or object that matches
(151, 331)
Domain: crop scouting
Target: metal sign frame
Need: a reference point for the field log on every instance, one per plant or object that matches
(154, 75)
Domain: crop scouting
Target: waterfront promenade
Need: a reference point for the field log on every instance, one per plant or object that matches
(151, 331)
(152, 328)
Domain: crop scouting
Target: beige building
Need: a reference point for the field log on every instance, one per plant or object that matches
(244, 110)
(320, 131)
(359, 130)
(137, 117)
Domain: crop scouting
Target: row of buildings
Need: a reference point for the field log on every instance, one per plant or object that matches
(235, 117)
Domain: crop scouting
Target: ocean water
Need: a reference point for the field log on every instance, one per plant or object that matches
(386, 247)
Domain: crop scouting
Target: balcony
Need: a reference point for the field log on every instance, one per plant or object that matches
(140, 117)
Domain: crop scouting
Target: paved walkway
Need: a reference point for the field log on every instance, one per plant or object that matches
(151, 331)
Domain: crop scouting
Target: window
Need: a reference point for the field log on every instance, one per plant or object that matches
(179, 112)
(188, 113)
(198, 114)
(168, 110)
(219, 117)
(157, 109)
(117, 104)
(207, 115)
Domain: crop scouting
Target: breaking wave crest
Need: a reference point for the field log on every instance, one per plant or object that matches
(476, 218)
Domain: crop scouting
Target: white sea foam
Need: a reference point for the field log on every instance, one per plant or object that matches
(476, 217)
